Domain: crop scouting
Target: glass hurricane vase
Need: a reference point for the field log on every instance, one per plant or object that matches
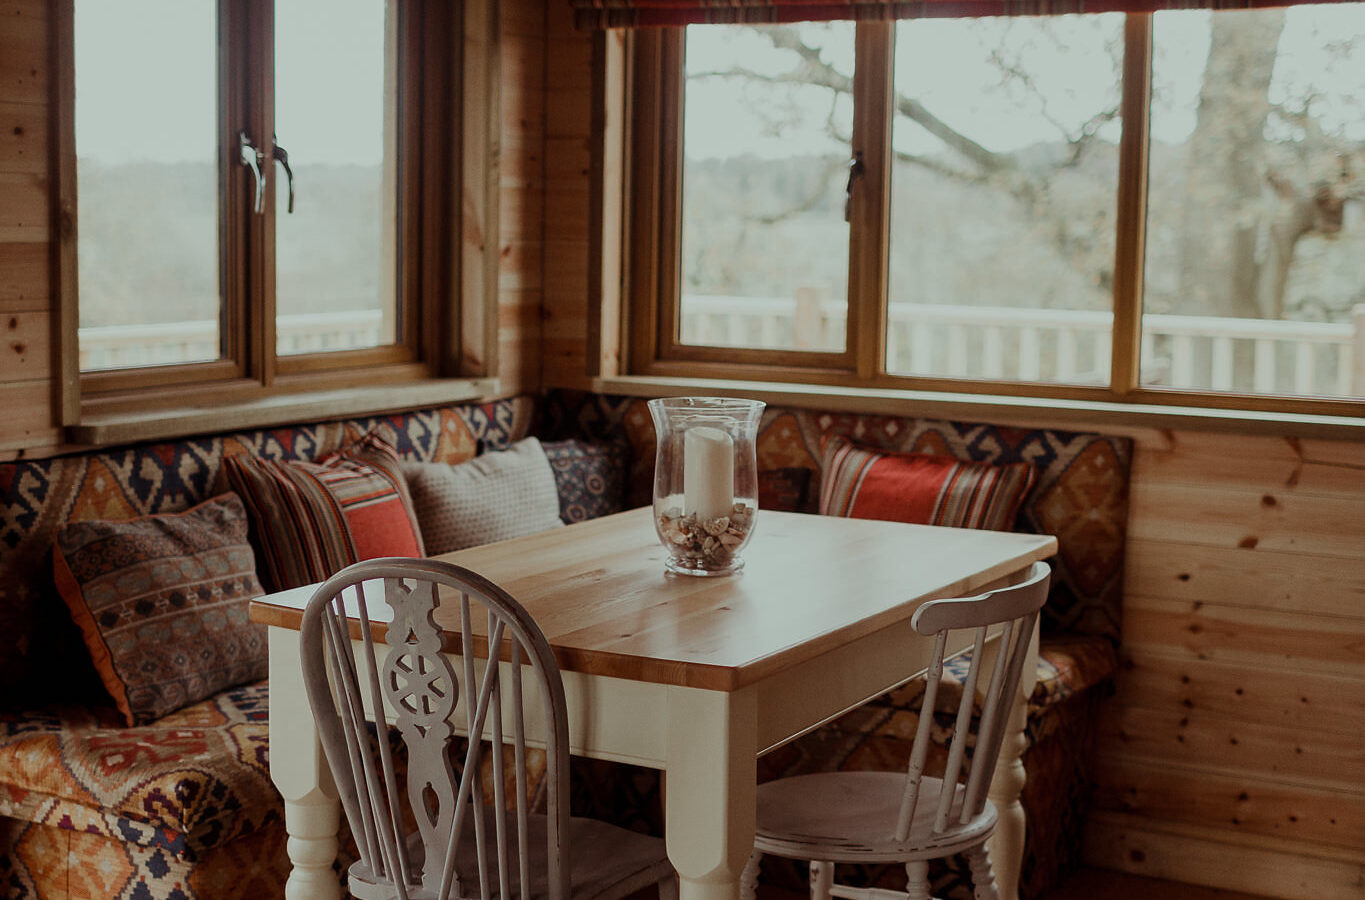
(705, 481)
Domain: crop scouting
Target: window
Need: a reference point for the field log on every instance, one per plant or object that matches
(250, 186)
(1165, 207)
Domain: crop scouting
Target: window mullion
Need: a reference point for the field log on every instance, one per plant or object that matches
(870, 204)
(1132, 204)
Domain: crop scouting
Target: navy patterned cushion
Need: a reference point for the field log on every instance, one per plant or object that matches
(590, 477)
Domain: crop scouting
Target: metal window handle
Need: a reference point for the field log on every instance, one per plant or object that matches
(855, 170)
(253, 159)
(282, 157)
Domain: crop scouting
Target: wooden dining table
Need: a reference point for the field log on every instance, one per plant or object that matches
(695, 676)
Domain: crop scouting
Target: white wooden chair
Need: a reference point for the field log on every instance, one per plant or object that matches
(910, 817)
(357, 657)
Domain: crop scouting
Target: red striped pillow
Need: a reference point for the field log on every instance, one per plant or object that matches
(311, 519)
(862, 483)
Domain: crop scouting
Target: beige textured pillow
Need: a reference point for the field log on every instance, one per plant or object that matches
(498, 495)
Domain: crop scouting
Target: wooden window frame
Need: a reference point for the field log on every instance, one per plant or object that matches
(438, 45)
(651, 82)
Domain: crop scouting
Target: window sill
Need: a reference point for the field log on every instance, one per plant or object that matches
(106, 429)
(1025, 412)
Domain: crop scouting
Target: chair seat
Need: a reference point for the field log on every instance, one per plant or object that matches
(851, 817)
(605, 863)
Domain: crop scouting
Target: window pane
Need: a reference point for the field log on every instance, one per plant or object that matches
(146, 168)
(1255, 273)
(335, 114)
(767, 122)
(1003, 198)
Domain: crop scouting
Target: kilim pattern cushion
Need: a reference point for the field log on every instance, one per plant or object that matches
(312, 519)
(185, 783)
(590, 478)
(162, 604)
(920, 488)
(493, 497)
(1080, 494)
(38, 497)
(785, 489)
(40, 862)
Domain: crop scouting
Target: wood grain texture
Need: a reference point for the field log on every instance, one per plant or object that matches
(23, 51)
(24, 341)
(1310, 702)
(1249, 579)
(25, 276)
(1290, 642)
(27, 420)
(812, 583)
(1194, 738)
(1264, 867)
(24, 214)
(23, 137)
(1239, 804)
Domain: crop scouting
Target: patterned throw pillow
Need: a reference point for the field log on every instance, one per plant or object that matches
(784, 489)
(312, 519)
(589, 478)
(162, 604)
(920, 488)
(498, 495)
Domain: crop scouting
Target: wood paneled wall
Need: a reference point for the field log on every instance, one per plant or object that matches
(1232, 753)
(27, 307)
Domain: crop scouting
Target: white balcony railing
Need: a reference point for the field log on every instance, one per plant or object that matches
(1065, 346)
(1055, 345)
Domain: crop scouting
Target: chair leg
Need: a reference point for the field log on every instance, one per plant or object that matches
(821, 879)
(748, 879)
(668, 888)
(983, 876)
(917, 880)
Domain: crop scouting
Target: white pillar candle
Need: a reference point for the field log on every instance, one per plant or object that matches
(708, 472)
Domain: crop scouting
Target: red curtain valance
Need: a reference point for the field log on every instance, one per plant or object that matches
(592, 14)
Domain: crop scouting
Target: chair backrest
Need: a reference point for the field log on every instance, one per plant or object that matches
(359, 656)
(1016, 609)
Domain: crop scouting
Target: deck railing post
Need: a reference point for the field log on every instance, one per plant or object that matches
(1358, 351)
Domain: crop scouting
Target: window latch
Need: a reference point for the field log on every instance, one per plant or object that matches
(282, 157)
(855, 170)
(253, 159)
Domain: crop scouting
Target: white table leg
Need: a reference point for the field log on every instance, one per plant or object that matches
(300, 772)
(712, 775)
(1006, 846)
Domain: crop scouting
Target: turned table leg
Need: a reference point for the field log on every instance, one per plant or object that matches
(1006, 846)
(300, 772)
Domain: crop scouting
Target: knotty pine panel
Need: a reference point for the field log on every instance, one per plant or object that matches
(1196, 738)
(25, 339)
(1251, 579)
(1270, 867)
(23, 137)
(25, 276)
(1272, 464)
(27, 421)
(23, 51)
(1290, 642)
(1241, 803)
(1256, 518)
(1250, 693)
(24, 212)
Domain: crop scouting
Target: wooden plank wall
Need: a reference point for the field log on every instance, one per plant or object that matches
(27, 307)
(1232, 752)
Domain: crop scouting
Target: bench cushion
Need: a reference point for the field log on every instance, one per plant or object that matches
(185, 783)
(38, 497)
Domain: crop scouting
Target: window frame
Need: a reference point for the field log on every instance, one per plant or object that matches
(651, 78)
(434, 43)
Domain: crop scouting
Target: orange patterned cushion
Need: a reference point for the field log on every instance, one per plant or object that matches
(162, 604)
(313, 519)
(914, 487)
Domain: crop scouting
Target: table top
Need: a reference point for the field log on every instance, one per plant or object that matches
(810, 583)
